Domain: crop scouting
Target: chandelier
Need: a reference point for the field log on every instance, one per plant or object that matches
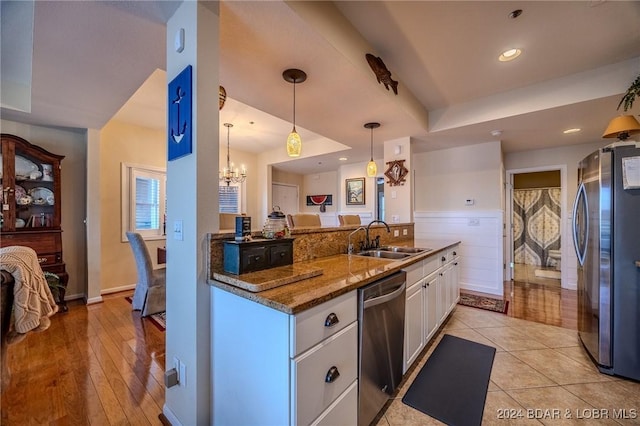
(229, 174)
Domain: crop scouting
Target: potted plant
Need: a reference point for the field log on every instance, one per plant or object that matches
(54, 285)
(630, 96)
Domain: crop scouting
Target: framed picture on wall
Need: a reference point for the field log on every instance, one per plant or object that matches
(355, 191)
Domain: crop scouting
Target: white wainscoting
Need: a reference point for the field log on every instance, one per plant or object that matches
(481, 248)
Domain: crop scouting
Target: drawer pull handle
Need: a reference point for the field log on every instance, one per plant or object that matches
(332, 375)
(332, 319)
(444, 259)
(455, 254)
(455, 264)
(42, 260)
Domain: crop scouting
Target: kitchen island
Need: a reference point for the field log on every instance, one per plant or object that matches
(289, 354)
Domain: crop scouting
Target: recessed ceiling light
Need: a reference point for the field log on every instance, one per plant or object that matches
(342, 158)
(509, 55)
(569, 131)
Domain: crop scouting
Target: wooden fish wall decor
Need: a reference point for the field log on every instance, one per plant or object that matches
(382, 73)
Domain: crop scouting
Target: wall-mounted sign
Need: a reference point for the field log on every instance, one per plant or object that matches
(396, 172)
(179, 107)
(316, 200)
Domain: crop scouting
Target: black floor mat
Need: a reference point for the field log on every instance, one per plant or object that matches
(452, 385)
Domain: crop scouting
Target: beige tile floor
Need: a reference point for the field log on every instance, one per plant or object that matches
(540, 372)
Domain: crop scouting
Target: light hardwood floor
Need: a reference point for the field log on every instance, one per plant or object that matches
(103, 364)
(100, 364)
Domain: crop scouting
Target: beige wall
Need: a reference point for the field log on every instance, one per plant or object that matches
(398, 204)
(445, 179)
(72, 144)
(568, 155)
(280, 176)
(319, 184)
(356, 170)
(121, 142)
(250, 204)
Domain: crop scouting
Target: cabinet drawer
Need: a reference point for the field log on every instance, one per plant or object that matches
(430, 264)
(281, 254)
(48, 259)
(316, 324)
(310, 372)
(414, 273)
(254, 258)
(344, 410)
(41, 242)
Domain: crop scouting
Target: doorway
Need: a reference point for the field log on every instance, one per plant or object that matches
(285, 196)
(380, 198)
(537, 213)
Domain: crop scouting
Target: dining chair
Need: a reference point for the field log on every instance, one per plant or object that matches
(349, 219)
(306, 220)
(149, 297)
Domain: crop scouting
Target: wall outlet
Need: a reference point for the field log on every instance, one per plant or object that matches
(177, 230)
(469, 202)
(176, 366)
(396, 232)
(405, 232)
(473, 222)
(182, 371)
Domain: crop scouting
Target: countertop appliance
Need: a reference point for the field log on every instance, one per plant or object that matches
(606, 232)
(380, 347)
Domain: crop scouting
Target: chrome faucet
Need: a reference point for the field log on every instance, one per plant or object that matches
(368, 243)
(350, 246)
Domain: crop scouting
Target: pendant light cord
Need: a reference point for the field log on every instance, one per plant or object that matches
(228, 160)
(294, 104)
(371, 143)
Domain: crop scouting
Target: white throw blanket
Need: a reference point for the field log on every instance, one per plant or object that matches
(33, 302)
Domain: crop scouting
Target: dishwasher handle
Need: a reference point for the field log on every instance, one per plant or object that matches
(385, 298)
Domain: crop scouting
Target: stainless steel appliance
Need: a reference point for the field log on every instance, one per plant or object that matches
(381, 336)
(606, 231)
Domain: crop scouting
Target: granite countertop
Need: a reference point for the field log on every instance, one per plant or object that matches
(298, 287)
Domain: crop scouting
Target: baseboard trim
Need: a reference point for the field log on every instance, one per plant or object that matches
(168, 414)
(118, 289)
(93, 300)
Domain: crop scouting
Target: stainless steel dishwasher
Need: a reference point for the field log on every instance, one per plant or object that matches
(381, 336)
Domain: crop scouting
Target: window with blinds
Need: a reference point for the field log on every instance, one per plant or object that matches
(147, 214)
(143, 201)
(229, 198)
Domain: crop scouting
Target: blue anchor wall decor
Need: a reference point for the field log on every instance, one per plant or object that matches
(179, 117)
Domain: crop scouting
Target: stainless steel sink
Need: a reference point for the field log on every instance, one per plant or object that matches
(411, 250)
(384, 254)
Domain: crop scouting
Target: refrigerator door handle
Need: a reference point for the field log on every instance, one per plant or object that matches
(581, 252)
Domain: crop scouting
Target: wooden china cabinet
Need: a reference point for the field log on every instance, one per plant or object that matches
(30, 199)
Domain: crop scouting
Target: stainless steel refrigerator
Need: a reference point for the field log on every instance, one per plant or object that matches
(606, 232)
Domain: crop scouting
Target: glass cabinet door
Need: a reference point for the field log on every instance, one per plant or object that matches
(34, 192)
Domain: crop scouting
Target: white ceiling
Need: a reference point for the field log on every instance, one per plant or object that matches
(90, 58)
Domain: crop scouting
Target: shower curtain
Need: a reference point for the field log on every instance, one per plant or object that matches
(536, 225)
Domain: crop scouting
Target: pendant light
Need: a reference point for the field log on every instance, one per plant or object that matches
(294, 143)
(229, 174)
(372, 168)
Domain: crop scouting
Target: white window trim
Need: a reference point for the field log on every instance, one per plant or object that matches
(127, 170)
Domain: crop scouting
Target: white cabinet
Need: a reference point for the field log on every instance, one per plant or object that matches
(432, 293)
(274, 368)
(413, 324)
